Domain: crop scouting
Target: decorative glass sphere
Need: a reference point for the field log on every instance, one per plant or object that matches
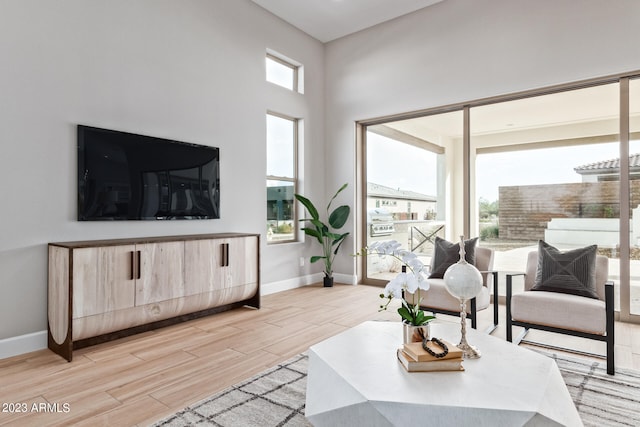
(463, 280)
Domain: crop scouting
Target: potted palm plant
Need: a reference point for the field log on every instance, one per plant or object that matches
(326, 234)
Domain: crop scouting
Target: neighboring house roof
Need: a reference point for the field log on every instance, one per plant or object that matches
(608, 166)
(384, 192)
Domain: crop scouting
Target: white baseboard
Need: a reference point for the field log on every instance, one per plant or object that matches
(345, 278)
(298, 282)
(15, 346)
(285, 285)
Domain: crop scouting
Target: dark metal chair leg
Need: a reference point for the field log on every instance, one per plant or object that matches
(496, 298)
(474, 314)
(609, 304)
(496, 302)
(508, 307)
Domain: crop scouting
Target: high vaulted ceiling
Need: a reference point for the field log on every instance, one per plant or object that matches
(328, 20)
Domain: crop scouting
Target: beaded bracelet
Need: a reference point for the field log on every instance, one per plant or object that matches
(436, 341)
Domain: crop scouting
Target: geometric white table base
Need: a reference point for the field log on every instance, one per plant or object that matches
(355, 379)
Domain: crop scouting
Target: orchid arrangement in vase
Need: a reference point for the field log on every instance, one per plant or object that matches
(412, 279)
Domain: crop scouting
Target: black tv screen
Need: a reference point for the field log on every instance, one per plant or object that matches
(124, 176)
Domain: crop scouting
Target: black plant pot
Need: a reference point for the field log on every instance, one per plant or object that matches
(328, 282)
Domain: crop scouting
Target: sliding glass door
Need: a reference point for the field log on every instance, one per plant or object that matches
(547, 168)
(559, 165)
(409, 183)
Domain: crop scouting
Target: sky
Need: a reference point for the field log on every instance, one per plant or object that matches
(535, 167)
(399, 165)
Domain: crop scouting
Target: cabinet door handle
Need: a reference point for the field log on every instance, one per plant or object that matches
(133, 266)
(138, 264)
(224, 261)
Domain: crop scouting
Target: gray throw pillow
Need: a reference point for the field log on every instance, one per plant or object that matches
(446, 254)
(571, 272)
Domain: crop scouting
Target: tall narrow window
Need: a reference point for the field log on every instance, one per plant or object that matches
(282, 73)
(282, 140)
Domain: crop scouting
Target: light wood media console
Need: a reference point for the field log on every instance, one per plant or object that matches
(106, 289)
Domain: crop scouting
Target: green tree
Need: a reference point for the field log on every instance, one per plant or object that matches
(487, 209)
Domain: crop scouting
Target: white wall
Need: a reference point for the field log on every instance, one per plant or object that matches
(462, 50)
(191, 70)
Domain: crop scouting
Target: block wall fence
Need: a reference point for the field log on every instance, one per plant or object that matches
(525, 210)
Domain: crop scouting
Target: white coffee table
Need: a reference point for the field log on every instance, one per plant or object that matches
(355, 379)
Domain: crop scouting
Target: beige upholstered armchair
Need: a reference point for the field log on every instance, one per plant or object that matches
(561, 310)
(439, 301)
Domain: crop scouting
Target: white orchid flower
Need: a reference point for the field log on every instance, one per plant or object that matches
(415, 265)
(405, 254)
(373, 248)
(393, 289)
(407, 282)
(423, 283)
(391, 247)
(383, 248)
(412, 281)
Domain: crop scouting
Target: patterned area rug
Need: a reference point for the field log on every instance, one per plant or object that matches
(276, 397)
(601, 399)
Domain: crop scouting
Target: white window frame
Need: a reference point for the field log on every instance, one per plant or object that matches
(292, 179)
(296, 67)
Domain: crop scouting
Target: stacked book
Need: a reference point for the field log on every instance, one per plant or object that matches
(416, 359)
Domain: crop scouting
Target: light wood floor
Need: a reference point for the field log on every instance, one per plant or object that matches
(144, 378)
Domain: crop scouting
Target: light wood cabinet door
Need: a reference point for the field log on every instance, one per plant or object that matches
(202, 265)
(102, 280)
(161, 272)
(239, 268)
(215, 264)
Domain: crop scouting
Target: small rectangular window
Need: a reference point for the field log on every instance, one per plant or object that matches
(282, 140)
(282, 73)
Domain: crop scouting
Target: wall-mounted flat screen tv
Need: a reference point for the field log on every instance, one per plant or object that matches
(124, 176)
